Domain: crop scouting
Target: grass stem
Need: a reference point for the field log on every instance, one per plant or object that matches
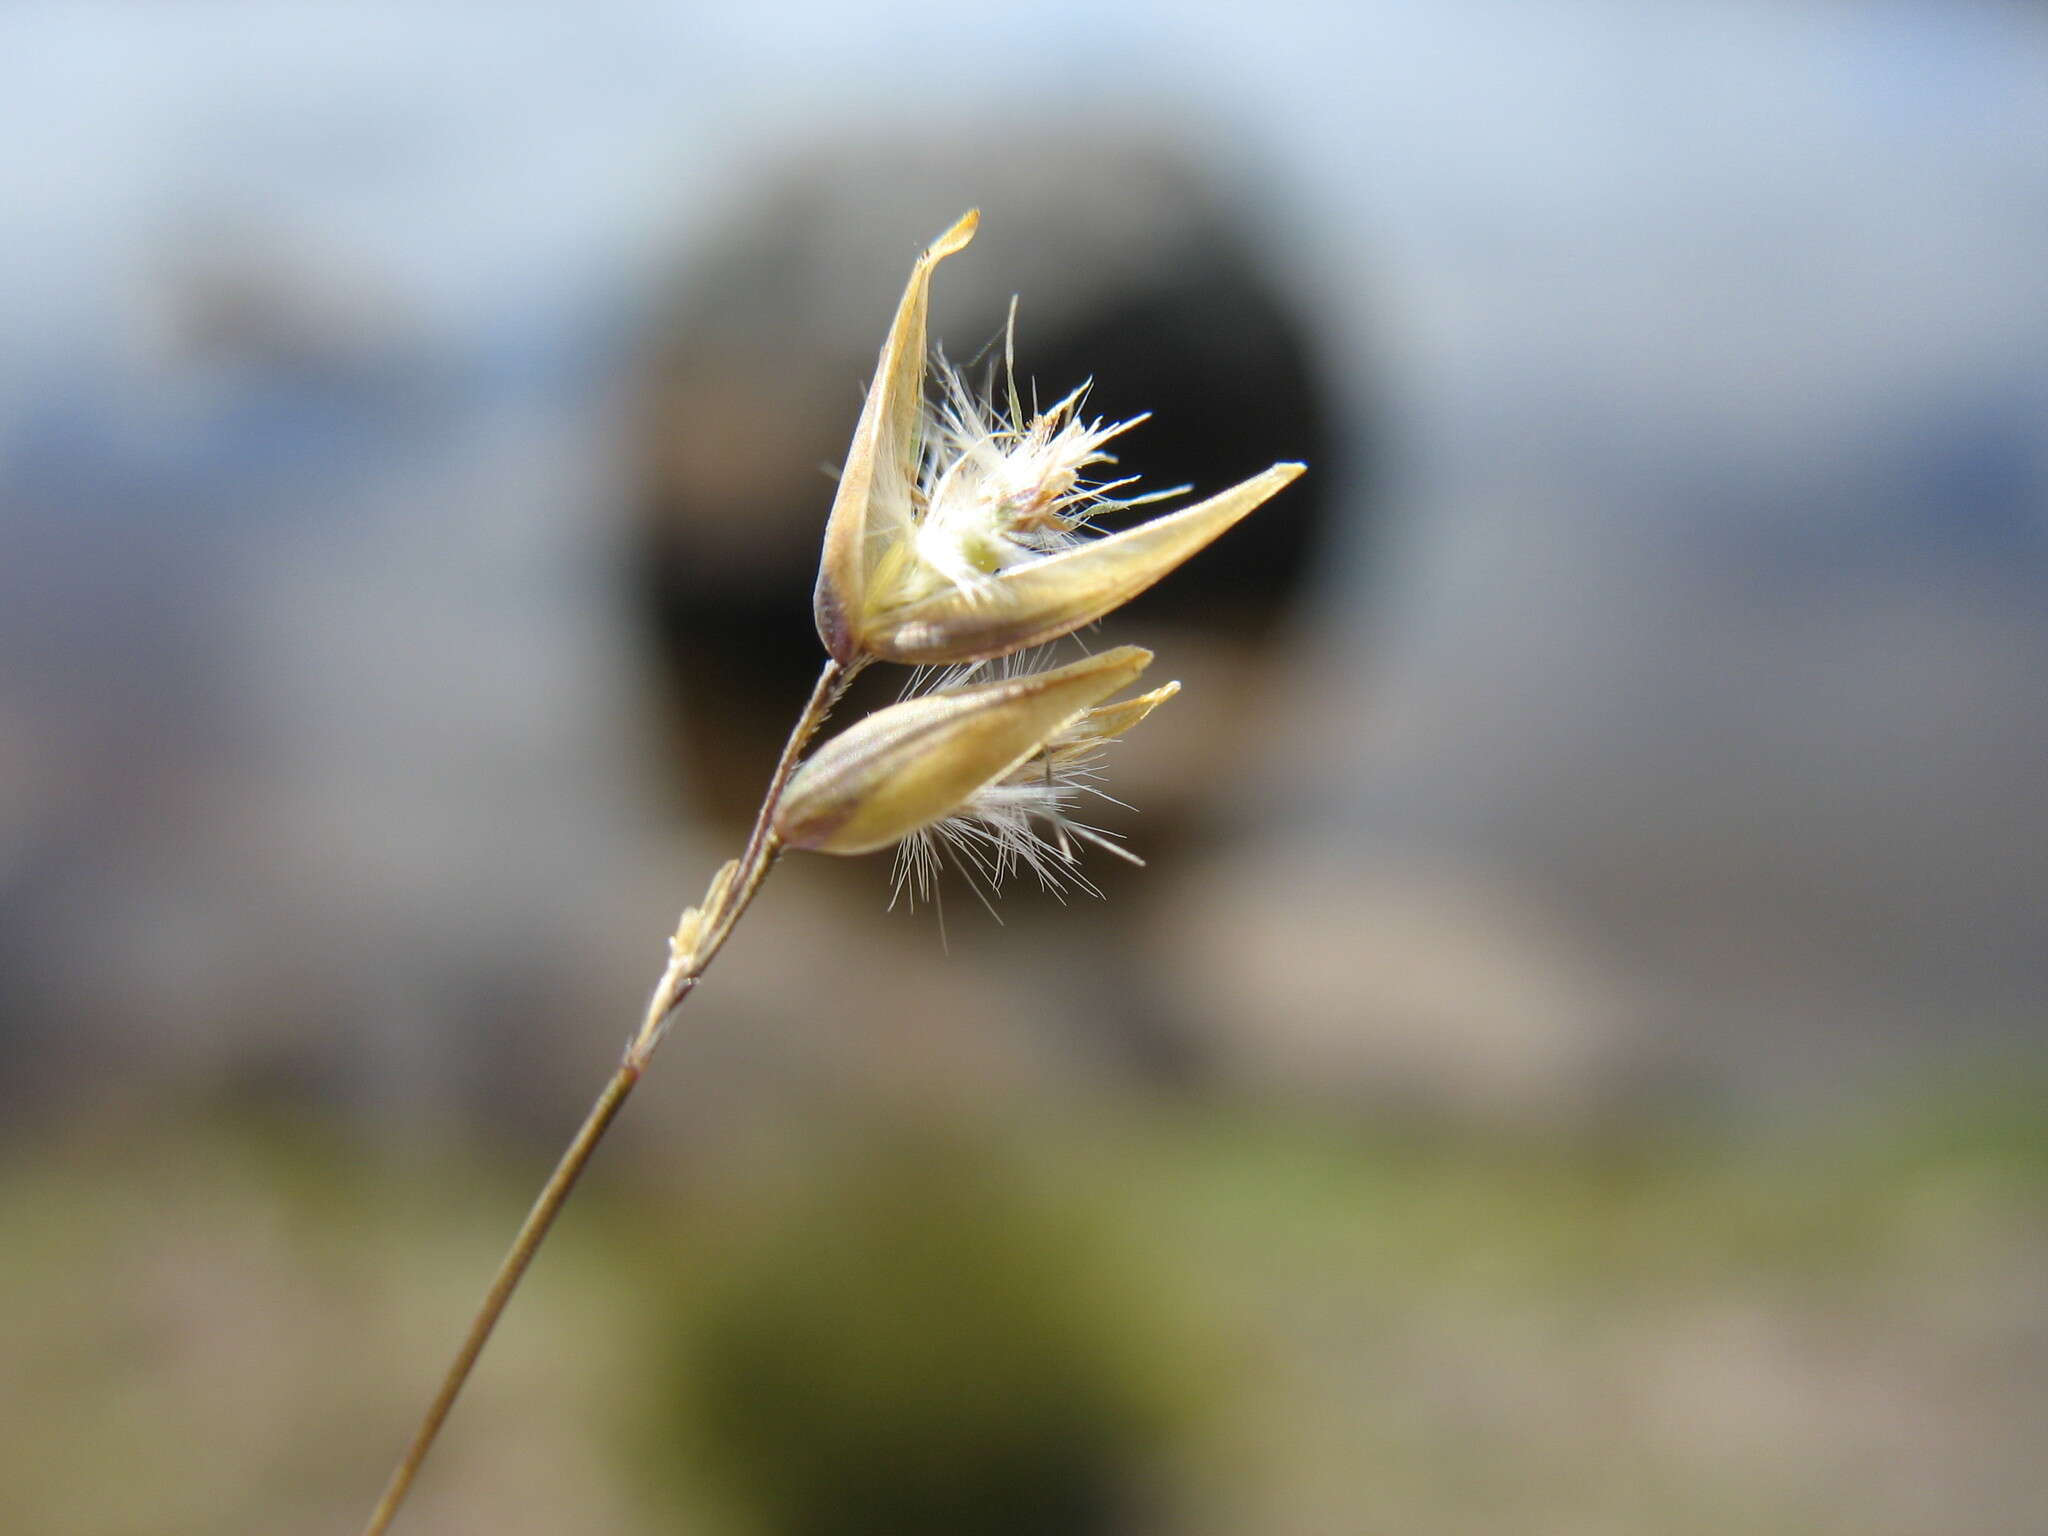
(676, 984)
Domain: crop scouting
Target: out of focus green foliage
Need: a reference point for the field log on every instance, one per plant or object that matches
(1176, 1321)
(920, 1341)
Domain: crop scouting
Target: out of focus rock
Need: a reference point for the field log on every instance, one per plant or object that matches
(1432, 988)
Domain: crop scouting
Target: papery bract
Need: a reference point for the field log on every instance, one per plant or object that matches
(1058, 594)
(873, 503)
(916, 762)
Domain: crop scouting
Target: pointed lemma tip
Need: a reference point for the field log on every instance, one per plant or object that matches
(953, 239)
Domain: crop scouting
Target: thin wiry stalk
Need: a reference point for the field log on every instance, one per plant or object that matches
(531, 1233)
(676, 984)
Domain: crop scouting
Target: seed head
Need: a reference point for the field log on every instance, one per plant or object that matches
(960, 531)
(922, 760)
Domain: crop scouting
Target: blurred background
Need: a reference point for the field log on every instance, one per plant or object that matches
(1575, 1061)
